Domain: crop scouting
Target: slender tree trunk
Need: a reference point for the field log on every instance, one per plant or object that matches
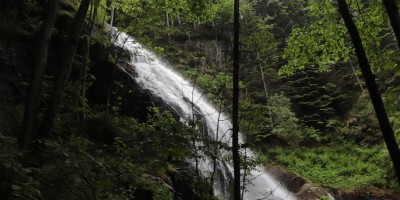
(112, 21)
(196, 154)
(62, 79)
(179, 20)
(81, 93)
(393, 12)
(266, 95)
(235, 114)
(109, 93)
(166, 19)
(86, 63)
(358, 80)
(81, 101)
(216, 145)
(369, 78)
(110, 87)
(104, 18)
(245, 165)
(30, 120)
(82, 81)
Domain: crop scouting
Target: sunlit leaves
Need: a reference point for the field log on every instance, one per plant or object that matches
(320, 42)
(324, 40)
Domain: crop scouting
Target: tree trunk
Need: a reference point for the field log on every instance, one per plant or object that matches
(166, 19)
(104, 18)
(81, 102)
(31, 112)
(108, 100)
(112, 21)
(358, 80)
(179, 20)
(216, 146)
(62, 79)
(266, 95)
(83, 78)
(235, 114)
(110, 86)
(369, 78)
(393, 12)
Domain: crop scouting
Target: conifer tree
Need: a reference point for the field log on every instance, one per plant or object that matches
(315, 101)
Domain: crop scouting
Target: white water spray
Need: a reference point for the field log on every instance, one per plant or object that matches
(180, 95)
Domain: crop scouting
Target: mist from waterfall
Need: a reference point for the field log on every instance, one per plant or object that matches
(163, 82)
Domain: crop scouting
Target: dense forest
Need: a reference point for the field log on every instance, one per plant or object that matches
(134, 99)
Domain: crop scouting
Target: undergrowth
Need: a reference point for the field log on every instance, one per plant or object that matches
(117, 158)
(340, 165)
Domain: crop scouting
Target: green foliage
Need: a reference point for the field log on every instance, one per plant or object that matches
(284, 122)
(217, 87)
(315, 101)
(171, 140)
(325, 198)
(248, 163)
(256, 125)
(262, 42)
(141, 19)
(201, 11)
(261, 55)
(147, 19)
(16, 19)
(119, 157)
(391, 99)
(15, 182)
(57, 173)
(276, 119)
(98, 160)
(284, 14)
(224, 13)
(340, 165)
(320, 42)
(323, 41)
(311, 135)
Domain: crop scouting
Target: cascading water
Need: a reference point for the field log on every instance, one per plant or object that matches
(154, 75)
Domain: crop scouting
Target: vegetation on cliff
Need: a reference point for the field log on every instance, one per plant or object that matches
(80, 128)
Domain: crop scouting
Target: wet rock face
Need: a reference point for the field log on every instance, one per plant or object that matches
(293, 182)
(296, 184)
(349, 195)
(119, 80)
(182, 182)
(308, 191)
(109, 78)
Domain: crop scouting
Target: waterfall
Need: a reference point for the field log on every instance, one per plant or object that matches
(163, 82)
